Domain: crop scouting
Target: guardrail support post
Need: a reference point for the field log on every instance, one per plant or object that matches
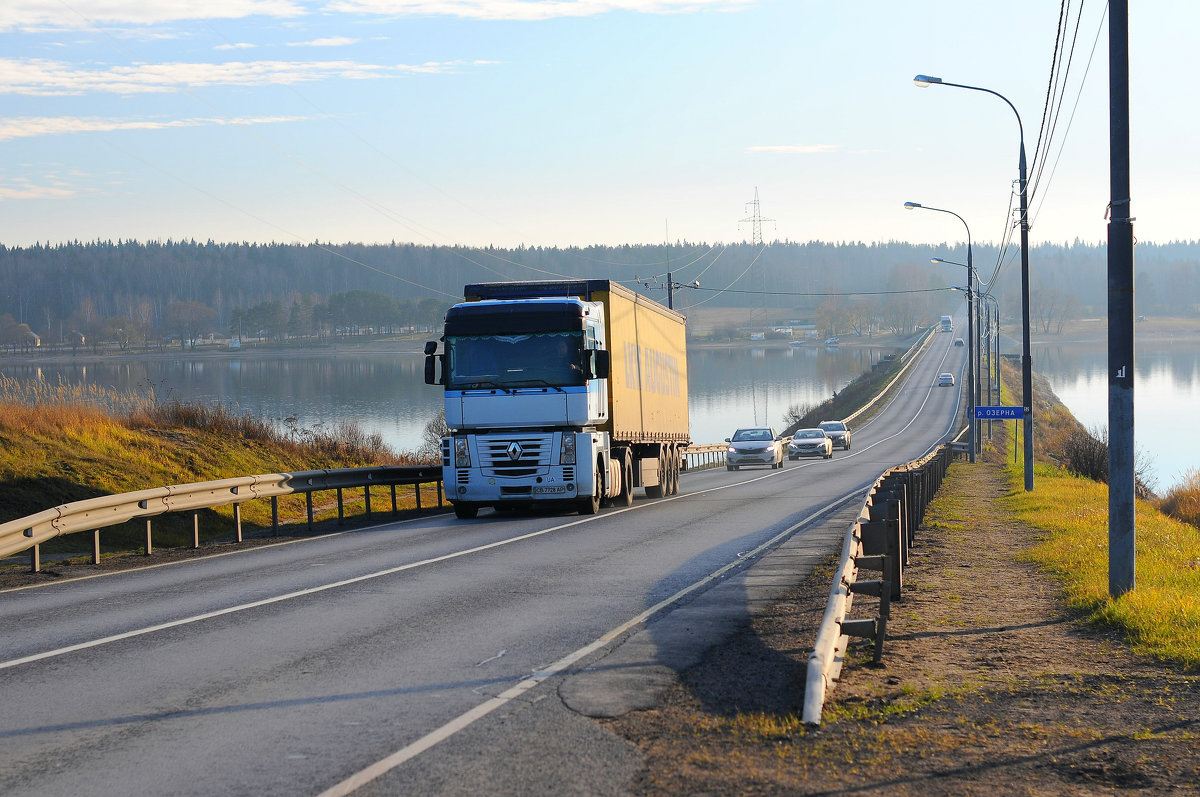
(341, 509)
(416, 493)
(149, 539)
(367, 499)
(96, 546)
(439, 491)
(394, 498)
(308, 505)
(35, 559)
(195, 530)
(237, 520)
(274, 516)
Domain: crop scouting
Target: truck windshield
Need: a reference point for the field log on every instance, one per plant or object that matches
(511, 361)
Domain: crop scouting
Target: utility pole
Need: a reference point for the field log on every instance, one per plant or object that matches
(1121, 507)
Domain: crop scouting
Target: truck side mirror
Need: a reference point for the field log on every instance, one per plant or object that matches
(430, 346)
(431, 369)
(601, 363)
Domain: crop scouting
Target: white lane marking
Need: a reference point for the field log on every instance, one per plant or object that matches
(411, 751)
(492, 658)
(4, 665)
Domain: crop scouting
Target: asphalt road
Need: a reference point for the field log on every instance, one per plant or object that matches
(427, 656)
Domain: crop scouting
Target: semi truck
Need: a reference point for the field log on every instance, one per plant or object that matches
(560, 391)
(947, 324)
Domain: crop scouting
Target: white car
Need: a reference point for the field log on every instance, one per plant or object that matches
(945, 380)
(754, 445)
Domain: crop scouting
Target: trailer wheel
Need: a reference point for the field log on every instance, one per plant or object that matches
(591, 505)
(659, 490)
(676, 468)
(625, 497)
(465, 511)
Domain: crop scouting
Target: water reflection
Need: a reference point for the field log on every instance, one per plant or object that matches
(386, 393)
(1166, 393)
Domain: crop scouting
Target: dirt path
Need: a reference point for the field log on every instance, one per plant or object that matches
(988, 686)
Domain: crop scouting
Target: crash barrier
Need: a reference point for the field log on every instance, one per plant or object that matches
(28, 533)
(711, 455)
(877, 542)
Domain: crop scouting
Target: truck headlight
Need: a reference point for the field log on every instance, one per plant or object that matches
(566, 453)
(462, 453)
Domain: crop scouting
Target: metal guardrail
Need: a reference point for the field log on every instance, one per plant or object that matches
(94, 514)
(879, 540)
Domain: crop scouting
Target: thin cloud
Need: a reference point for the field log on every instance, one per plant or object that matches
(23, 189)
(43, 77)
(796, 149)
(35, 126)
(528, 10)
(55, 15)
(332, 41)
(236, 46)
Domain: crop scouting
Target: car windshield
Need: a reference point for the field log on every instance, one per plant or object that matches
(833, 426)
(808, 433)
(743, 435)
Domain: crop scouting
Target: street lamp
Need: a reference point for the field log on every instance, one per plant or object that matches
(973, 372)
(1026, 360)
(972, 390)
(979, 294)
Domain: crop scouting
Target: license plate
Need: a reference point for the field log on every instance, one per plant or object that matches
(550, 490)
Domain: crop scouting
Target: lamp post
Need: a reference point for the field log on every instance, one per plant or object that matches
(993, 330)
(971, 389)
(978, 295)
(924, 81)
(972, 352)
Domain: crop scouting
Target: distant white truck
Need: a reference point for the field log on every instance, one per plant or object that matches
(947, 324)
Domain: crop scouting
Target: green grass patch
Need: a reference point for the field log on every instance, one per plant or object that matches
(1160, 617)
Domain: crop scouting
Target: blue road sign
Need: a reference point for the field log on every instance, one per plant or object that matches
(999, 413)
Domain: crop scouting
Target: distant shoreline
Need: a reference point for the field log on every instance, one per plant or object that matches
(1089, 331)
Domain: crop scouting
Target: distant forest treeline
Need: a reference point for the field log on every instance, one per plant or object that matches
(134, 293)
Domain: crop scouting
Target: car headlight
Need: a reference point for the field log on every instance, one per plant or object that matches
(730, 450)
(462, 453)
(566, 452)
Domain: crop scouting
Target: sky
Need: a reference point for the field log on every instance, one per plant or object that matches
(580, 122)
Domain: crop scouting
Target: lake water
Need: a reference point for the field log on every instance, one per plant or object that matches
(727, 388)
(386, 393)
(1166, 395)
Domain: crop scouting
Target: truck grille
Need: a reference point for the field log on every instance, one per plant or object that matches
(532, 455)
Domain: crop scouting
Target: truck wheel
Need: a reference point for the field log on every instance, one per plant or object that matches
(465, 511)
(674, 465)
(625, 497)
(659, 490)
(591, 505)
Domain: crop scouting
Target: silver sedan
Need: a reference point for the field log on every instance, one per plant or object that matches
(755, 445)
(810, 443)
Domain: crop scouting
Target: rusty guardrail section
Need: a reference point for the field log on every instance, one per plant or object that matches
(94, 514)
(878, 541)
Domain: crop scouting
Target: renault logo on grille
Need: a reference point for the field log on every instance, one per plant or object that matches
(514, 451)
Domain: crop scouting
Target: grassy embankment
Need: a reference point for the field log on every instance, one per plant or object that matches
(65, 443)
(1160, 617)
